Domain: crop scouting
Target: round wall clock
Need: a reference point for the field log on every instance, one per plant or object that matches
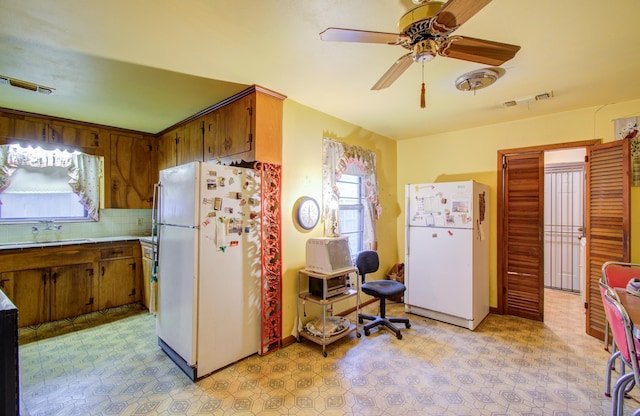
(308, 213)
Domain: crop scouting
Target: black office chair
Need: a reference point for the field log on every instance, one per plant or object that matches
(368, 262)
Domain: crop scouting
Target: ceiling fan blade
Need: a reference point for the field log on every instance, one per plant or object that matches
(477, 50)
(456, 12)
(394, 72)
(352, 35)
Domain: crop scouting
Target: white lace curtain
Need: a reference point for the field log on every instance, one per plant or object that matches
(84, 170)
(337, 157)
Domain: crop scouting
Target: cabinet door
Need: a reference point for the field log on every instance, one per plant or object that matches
(6, 127)
(73, 135)
(118, 282)
(167, 150)
(190, 142)
(132, 172)
(29, 291)
(30, 129)
(213, 133)
(237, 136)
(71, 290)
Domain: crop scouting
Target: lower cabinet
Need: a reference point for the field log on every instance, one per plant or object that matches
(49, 294)
(119, 276)
(44, 288)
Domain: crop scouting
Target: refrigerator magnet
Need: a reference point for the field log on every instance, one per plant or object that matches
(217, 204)
(206, 222)
(233, 243)
(231, 180)
(212, 184)
(221, 181)
(243, 202)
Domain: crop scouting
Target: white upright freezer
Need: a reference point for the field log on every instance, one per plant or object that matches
(208, 266)
(447, 252)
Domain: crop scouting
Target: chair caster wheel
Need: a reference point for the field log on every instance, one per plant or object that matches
(408, 325)
(360, 321)
(399, 336)
(367, 332)
(324, 354)
(358, 335)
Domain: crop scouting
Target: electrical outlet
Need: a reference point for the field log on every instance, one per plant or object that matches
(139, 221)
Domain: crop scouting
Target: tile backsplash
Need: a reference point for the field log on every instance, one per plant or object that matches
(113, 222)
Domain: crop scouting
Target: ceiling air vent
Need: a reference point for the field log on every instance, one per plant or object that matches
(25, 85)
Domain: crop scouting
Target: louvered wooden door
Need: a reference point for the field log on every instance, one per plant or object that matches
(522, 208)
(607, 222)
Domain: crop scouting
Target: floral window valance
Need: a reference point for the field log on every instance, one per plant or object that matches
(336, 159)
(84, 170)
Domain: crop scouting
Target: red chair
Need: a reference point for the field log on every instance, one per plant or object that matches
(617, 274)
(622, 331)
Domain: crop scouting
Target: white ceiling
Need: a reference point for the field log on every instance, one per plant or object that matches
(147, 64)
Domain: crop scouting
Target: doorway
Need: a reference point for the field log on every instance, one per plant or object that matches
(564, 200)
(520, 247)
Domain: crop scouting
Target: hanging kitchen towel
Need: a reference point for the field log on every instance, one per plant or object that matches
(153, 295)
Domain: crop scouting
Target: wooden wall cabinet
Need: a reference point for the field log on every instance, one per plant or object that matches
(248, 128)
(43, 130)
(131, 171)
(181, 145)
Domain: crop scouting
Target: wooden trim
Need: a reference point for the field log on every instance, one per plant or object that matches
(252, 89)
(547, 147)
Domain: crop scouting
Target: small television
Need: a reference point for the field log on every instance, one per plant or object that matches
(328, 255)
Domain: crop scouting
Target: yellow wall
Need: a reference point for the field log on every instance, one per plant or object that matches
(472, 154)
(303, 131)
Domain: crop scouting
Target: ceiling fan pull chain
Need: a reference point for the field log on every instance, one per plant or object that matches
(423, 101)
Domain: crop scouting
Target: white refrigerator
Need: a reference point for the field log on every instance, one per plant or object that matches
(208, 266)
(447, 252)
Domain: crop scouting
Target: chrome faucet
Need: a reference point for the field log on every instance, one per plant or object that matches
(50, 226)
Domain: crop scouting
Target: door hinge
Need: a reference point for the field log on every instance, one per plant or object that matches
(586, 305)
(90, 301)
(504, 290)
(586, 158)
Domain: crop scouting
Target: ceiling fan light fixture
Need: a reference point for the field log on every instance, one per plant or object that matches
(475, 80)
(424, 51)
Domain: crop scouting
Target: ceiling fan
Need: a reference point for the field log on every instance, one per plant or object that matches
(425, 31)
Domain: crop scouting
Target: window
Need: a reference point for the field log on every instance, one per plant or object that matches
(40, 194)
(351, 210)
(38, 184)
(350, 194)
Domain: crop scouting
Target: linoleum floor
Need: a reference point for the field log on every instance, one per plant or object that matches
(507, 366)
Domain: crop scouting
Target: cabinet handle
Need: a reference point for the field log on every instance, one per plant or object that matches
(2, 283)
(96, 140)
(90, 302)
(102, 271)
(44, 134)
(54, 277)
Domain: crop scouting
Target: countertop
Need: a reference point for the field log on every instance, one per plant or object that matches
(29, 245)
